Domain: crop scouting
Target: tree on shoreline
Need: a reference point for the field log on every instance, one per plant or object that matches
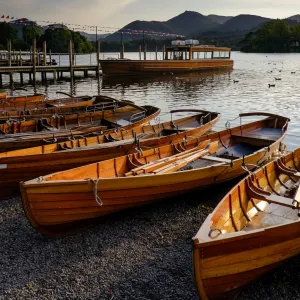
(275, 36)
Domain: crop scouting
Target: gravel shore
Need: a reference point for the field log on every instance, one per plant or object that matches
(144, 253)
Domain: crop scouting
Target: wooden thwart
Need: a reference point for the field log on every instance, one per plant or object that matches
(260, 194)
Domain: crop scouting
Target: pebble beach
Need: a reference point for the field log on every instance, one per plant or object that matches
(144, 254)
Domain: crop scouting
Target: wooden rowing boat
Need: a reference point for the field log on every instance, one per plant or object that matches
(124, 118)
(33, 110)
(3, 94)
(12, 109)
(27, 98)
(92, 191)
(254, 228)
(92, 116)
(50, 158)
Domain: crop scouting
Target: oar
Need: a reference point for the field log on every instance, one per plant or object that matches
(167, 161)
(140, 169)
(182, 162)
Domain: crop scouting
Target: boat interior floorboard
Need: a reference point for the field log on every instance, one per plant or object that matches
(199, 163)
(270, 133)
(238, 150)
(273, 215)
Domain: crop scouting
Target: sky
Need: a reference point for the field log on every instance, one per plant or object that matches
(118, 13)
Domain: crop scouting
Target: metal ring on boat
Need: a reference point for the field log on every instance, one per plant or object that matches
(212, 231)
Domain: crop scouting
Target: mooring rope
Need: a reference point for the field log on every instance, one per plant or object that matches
(97, 198)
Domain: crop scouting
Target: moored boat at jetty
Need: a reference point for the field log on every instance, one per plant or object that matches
(26, 98)
(253, 229)
(181, 57)
(29, 163)
(54, 201)
(63, 106)
(95, 115)
(121, 115)
(19, 108)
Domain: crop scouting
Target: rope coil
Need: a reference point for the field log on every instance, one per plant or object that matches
(97, 198)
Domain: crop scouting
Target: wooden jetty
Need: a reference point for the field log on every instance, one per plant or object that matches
(43, 68)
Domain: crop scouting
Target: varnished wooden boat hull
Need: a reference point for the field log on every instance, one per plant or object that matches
(225, 264)
(58, 202)
(3, 95)
(12, 109)
(29, 163)
(29, 98)
(75, 133)
(58, 121)
(134, 67)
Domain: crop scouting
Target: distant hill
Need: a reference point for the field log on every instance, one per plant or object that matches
(219, 19)
(188, 23)
(92, 36)
(242, 23)
(294, 18)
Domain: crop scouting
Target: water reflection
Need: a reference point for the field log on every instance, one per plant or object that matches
(215, 91)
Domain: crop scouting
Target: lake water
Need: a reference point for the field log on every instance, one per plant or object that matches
(214, 91)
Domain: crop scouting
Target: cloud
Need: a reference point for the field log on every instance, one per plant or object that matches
(92, 12)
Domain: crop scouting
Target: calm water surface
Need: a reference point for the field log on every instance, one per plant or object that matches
(209, 91)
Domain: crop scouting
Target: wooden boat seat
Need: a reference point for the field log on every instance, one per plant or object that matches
(217, 159)
(254, 139)
(282, 201)
(116, 123)
(186, 128)
(258, 193)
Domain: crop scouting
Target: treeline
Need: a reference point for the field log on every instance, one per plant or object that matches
(275, 36)
(57, 39)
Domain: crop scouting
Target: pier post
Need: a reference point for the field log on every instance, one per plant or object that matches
(9, 53)
(21, 78)
(58, 59)
(145, 51)
(155, 51)
(11, 79)
(45, 53)
(50, 57)
(54, 75)
(164, 53)
(122, 51)
(140, 51)
(34, 61)
(1, 83)
(21, 58)
(98, 58)
(14, 57)
(71, 58)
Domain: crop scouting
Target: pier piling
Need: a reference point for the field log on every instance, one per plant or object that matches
(71, 58)
(9, 53)
(45, 52)
(98, 58)
(34, 61)
(140, 52)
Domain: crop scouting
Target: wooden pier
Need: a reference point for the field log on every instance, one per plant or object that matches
(44, 69)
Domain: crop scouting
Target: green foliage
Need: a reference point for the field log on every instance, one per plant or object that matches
(7, 33)
(58, 41)
(30, 33)
(275, 36)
